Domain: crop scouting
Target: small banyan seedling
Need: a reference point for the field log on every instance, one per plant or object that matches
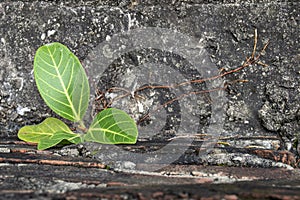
(63, 85)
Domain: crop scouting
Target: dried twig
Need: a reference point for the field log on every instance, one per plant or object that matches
(53, 162)
(254, 59)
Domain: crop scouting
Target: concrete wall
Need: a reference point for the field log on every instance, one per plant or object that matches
(266, 105)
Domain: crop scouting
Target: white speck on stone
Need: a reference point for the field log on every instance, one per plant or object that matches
(4, 150)
(288, 146)
(111, 95)
(43, 36)
(21, 110)
(129, 165)
(95, 21)
(107, 38)
(131, 21)
(51, 32)
(238, 158)
(170, 109)
(140, 107)
(3, 40)
(105, 20)
(152, 93)
(282, 165)
(133, 88)
(197, 173)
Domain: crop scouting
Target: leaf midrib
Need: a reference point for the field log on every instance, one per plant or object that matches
(109, 131)
(77, 117)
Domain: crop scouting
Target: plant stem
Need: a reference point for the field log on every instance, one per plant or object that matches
(82, 127)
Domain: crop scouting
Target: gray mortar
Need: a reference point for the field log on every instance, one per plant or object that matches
(267, 105)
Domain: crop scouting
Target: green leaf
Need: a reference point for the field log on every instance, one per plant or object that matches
(112, 126)
(49, 133)
(61, 81)
(57, 138)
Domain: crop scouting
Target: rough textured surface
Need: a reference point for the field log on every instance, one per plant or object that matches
(267, 105)
(30, 174)
(262, 115)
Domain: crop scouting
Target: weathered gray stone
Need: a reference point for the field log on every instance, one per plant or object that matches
(266, 105)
